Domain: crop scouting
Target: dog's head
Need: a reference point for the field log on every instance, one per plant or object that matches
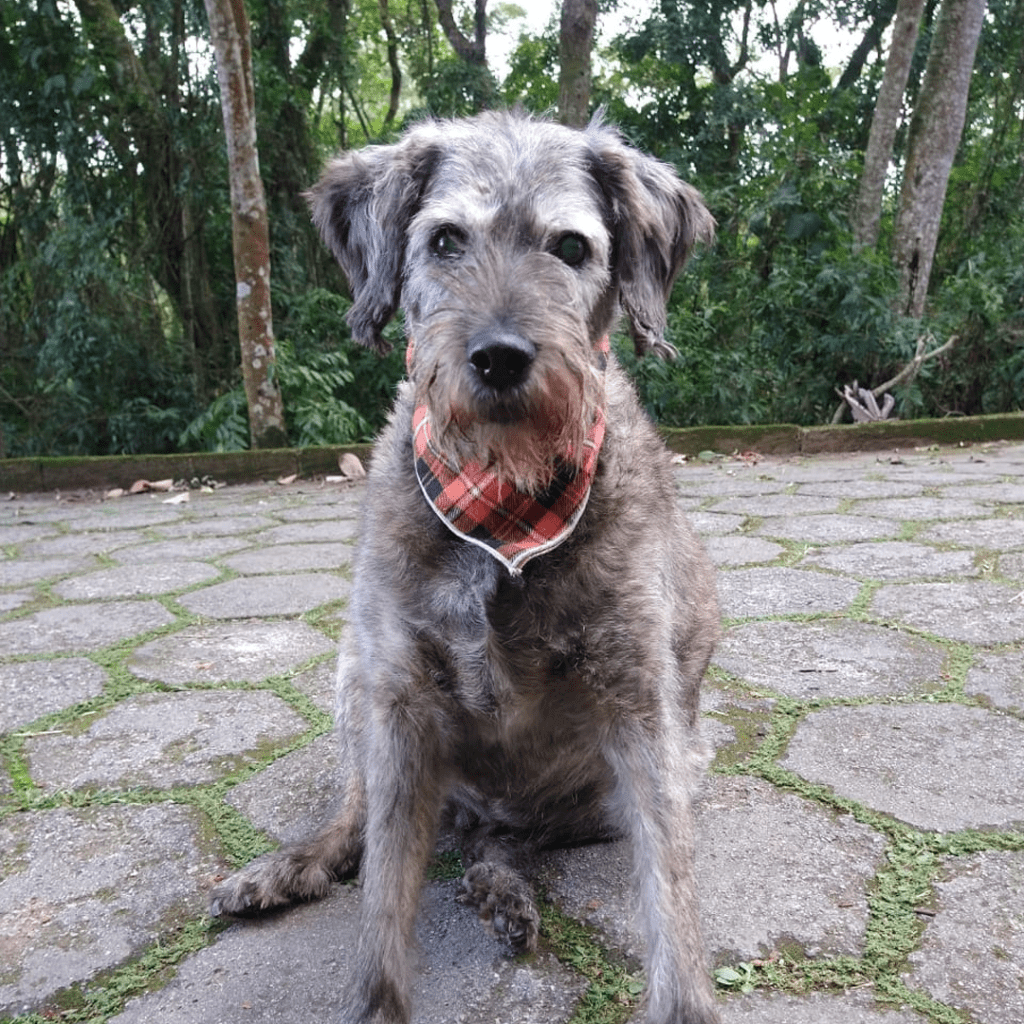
(366, 201)
(510, 244)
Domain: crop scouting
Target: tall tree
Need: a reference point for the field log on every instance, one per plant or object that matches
(935, 130)
(575, 43)
(250, 235)
(884, 122)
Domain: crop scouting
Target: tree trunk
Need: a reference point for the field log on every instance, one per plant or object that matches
(935, 131)
(229, 30)
(575, 42)
(867, 211)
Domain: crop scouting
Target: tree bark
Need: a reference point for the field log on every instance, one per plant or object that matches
(867, 210)
(935, 131)
(575, 43)
(229, 30)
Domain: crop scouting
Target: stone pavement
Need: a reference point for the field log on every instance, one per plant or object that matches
(165, 688)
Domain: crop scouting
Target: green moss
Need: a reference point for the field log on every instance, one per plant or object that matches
(613, 992)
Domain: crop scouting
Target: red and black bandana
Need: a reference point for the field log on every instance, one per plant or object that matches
(511, 525)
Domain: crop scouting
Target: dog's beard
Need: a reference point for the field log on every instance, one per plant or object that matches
(525, 439)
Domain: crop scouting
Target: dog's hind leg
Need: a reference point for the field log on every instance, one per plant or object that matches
(299, 871)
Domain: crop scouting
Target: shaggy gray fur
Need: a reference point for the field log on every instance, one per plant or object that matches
(559, 704)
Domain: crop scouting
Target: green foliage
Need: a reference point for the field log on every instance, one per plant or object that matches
(312, 370)
(223, 426)
(314, 412)
(88, 365)
(117, 318)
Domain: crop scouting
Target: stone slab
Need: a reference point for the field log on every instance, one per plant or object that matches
(772, 869)
(998, 679)
(81, 627)
(827, 658)
(714, 523)
(828, 528)
(923, 508)
(758, 593)
(201, 548)
(225, 524)
(82, 891)
(23, 571)
(80, 545)
(742, 550)
(854, 1007)
(977, 612)
(893, 560)
(297, 967)
(31, 689)
(161, 740)
(779, 504)
(291, 558)
(913, 762)
(972, 952)
(293, 796)
(320, 531)
(989, 534)
(250, 596)
(1012, 567)
(135, 581)
(251, 650)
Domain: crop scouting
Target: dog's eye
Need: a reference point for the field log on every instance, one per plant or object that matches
(447, 242)
(571, 250)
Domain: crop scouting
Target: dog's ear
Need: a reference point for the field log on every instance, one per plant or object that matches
(655, 220)
(362, 206)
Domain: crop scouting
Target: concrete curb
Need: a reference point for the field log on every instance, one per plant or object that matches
(26, 476)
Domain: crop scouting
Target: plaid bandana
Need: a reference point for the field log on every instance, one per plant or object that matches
(507, 523)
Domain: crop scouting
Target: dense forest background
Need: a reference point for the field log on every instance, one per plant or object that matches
(119, 329)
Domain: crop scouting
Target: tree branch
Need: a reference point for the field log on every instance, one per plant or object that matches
(905, 376)
(471, 51)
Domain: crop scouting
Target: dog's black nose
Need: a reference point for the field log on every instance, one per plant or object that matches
(501, 358)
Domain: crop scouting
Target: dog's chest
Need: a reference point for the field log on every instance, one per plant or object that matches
(509, 651)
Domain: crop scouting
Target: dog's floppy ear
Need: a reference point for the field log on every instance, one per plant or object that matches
(655, 220)
(362, 206)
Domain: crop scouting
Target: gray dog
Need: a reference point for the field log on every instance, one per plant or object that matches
(531, 615)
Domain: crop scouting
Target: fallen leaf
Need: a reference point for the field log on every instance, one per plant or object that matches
(351, 467)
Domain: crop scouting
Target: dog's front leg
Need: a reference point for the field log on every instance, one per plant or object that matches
(654, 771)
(406, 788)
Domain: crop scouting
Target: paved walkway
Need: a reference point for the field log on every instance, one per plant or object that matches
(165, 678)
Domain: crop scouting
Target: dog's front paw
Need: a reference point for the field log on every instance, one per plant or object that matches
(504, 901)
(269, 882)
